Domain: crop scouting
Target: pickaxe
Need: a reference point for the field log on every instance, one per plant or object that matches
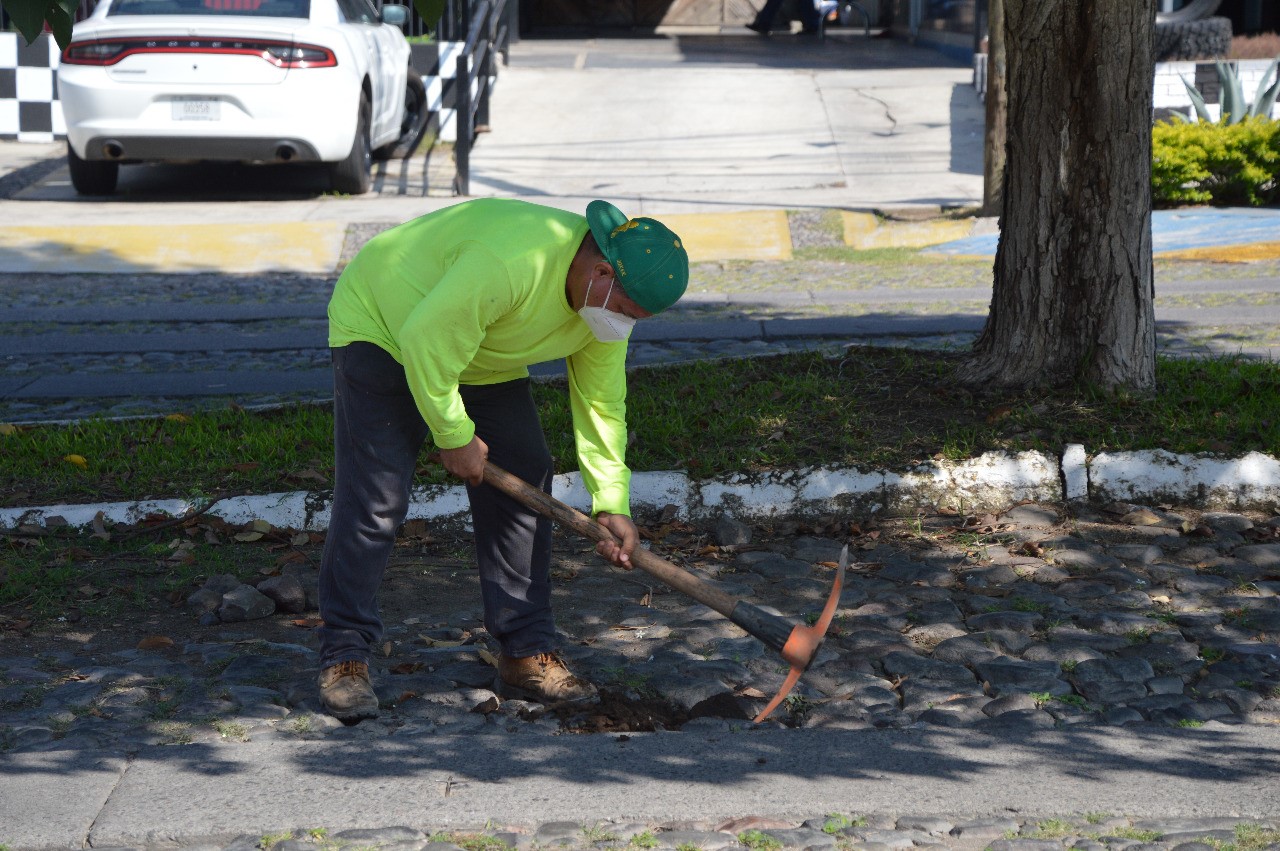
(797, 644)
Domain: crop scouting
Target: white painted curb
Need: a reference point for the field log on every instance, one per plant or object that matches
(993, 481)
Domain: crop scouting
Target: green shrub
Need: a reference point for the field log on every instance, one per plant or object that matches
(1230, 165)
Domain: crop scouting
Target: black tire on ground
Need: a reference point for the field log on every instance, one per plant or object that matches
(1206, 39)
(414, 122)
(351, 176)
(92, 177)
(1192, 10)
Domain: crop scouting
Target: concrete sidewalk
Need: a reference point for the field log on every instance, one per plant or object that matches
(178, 795)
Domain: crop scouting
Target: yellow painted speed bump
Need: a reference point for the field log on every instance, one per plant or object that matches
(865, 230)
(748, 235)
(310, 247)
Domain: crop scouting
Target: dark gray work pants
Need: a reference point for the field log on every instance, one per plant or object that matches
(378, 434)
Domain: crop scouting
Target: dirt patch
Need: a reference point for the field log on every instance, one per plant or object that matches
(620, 712)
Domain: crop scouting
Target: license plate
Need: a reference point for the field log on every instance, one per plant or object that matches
(196, 109)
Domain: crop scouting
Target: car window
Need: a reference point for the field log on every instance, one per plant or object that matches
(254, 8)
(358, 11)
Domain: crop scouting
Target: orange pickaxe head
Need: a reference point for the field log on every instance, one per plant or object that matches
(798, 644)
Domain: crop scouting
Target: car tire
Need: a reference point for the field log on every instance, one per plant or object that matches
(92, 177)
(351, 176)
(414, 122)
(1205, 39)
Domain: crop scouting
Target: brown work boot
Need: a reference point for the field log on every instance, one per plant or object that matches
(543, 678)
(346, 692)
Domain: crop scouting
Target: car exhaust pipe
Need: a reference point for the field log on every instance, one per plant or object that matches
(112, 150)
(284, 153)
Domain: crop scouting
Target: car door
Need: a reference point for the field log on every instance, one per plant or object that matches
(363, 17)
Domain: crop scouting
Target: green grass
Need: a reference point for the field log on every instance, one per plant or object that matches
(759, 841)
(862, 407)
(1135, 833)
(644, 839)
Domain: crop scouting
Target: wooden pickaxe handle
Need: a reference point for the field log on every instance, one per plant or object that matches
(797, 644)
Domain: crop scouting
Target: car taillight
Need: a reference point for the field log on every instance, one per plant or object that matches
(93, 53)
(302, 56)
(282, 54)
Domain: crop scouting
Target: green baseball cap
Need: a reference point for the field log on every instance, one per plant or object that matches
(650, 260)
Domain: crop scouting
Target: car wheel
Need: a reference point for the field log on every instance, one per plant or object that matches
(92, 177)
(351, 176)
(414, 122)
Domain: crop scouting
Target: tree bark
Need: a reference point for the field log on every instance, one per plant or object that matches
(994, 138)
(1074, 288)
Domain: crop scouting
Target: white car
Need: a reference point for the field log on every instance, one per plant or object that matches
(259, 81)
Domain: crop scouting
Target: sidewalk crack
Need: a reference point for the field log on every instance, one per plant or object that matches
(128, 764)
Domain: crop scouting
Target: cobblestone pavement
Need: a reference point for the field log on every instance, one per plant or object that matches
(823, 832)
(1034, 619)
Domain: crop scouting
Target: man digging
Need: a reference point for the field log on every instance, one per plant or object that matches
(432, 328)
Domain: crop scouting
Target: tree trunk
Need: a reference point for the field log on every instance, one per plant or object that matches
(995, 138)
(1073, 297)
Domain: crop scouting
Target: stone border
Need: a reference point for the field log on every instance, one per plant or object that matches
(992, 481)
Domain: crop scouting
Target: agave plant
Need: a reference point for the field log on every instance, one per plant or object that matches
(1234, 106)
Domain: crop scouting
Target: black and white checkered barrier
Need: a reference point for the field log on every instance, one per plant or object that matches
(30, 110)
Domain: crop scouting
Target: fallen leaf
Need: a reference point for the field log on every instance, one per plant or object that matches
(8, 429)
(406, 695)
(406, 668)
(87, 591)
(177, 418)
(243, 467)
(78, 460)
(998, 414)
(307, 623)
(440, 642)
(260, 526)
(291, 557)
(248, 537)
(386, 648)
(300, 539)
(307, 475)
(487, 706)
(947, 511)
(99, 525)
(488, 657)
(155, 642)
(1141, 517)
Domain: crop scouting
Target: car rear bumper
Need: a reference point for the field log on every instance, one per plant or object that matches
(315, 112)
(195, 148)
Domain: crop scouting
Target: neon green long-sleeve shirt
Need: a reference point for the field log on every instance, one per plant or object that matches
(475, 294)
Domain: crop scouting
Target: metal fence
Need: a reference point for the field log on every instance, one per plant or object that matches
(488, 34)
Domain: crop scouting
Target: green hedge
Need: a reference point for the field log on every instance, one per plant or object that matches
(1228, 165)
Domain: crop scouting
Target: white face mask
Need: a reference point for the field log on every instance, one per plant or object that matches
(608, 326)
